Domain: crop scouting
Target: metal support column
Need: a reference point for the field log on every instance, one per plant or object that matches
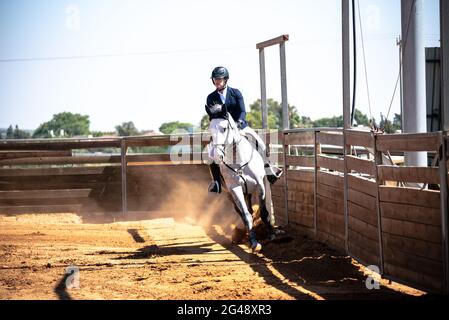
(346, 104)
(414, 80)
(444, 36)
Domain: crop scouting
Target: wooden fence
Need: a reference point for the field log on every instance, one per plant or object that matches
(340, 189)
(393, 217)
(48, 176)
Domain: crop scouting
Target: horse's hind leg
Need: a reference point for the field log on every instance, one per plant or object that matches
(239, 200)
(264, 213)
(249, 203)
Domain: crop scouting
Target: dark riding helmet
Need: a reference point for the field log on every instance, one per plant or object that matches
(220, 72)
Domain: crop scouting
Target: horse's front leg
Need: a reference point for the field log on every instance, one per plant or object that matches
(239, 200)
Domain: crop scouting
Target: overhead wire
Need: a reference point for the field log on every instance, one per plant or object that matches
(115, 55)
(364, 61)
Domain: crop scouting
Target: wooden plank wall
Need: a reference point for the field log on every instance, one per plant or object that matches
(59, 189)
(150, 188)
(330, 219)
(411, 217)
(396, 228)
(44, 176)
(38, 176)
(363, 232)
(278, 198)
(298, 181)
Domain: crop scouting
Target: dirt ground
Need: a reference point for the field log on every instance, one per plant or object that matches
(165, 258)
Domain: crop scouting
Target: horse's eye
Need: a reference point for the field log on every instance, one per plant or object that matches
(224, 129)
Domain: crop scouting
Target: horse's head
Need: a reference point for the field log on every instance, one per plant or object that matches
(224, 133)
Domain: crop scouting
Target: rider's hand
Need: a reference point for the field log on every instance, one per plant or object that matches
(240, 124)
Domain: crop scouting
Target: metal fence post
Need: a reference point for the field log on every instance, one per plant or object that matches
(378, 161)
(346, 101)
(346, 189)
(286, 151)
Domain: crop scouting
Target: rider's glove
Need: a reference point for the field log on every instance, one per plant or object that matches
(240, 124)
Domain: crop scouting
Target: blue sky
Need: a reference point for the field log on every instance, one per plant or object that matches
(163, 53)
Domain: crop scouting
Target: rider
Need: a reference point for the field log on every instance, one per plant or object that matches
(226, 99)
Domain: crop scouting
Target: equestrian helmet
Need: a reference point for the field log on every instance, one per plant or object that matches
(220, 72)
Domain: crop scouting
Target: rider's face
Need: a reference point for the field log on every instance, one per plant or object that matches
(219, 83)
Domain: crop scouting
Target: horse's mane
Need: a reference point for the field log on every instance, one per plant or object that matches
(232, 122)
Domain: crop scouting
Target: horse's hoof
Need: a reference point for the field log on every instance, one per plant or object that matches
(256, 247)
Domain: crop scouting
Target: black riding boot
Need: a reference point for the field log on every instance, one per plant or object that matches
(273, 173)
(215, 185)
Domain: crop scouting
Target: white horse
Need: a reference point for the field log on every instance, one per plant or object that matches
(242, 168)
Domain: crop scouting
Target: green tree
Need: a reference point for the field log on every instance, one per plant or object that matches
(20, 134)
(397, 121)
(390, 127)
(127, 129)
(360, 118)
(97, 134)
(10, 132)
(274, 110)
(254, 117)
(204, 123)
(336, 121)
(306, 122)
(73, 124)
(169, 127)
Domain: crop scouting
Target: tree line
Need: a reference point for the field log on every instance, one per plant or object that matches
(67, 124)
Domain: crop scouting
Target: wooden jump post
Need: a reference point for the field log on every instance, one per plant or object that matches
(123, 149)
(263, 88)
(263, 94)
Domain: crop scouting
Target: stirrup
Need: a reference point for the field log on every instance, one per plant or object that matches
(277, 172)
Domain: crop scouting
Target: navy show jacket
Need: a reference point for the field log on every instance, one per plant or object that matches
(234, 104)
